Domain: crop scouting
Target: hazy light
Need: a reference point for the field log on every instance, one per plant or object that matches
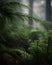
(42, 2)
(51, 3)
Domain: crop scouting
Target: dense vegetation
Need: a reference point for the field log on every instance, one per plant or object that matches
(21, 44)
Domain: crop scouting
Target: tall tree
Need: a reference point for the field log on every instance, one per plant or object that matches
(48, 10)
(31, 11)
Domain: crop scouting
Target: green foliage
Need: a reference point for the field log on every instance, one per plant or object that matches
(41, 46)
(15, 34)
(39, 42)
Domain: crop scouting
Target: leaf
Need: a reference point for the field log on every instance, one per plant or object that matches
(15, 4)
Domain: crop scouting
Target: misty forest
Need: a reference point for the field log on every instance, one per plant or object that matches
(25, 32)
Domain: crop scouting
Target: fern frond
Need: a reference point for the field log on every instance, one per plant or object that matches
(11, 4)
(14, 53)
(46, 24)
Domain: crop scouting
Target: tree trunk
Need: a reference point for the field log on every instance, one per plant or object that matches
(31, 11)
(48, 10)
